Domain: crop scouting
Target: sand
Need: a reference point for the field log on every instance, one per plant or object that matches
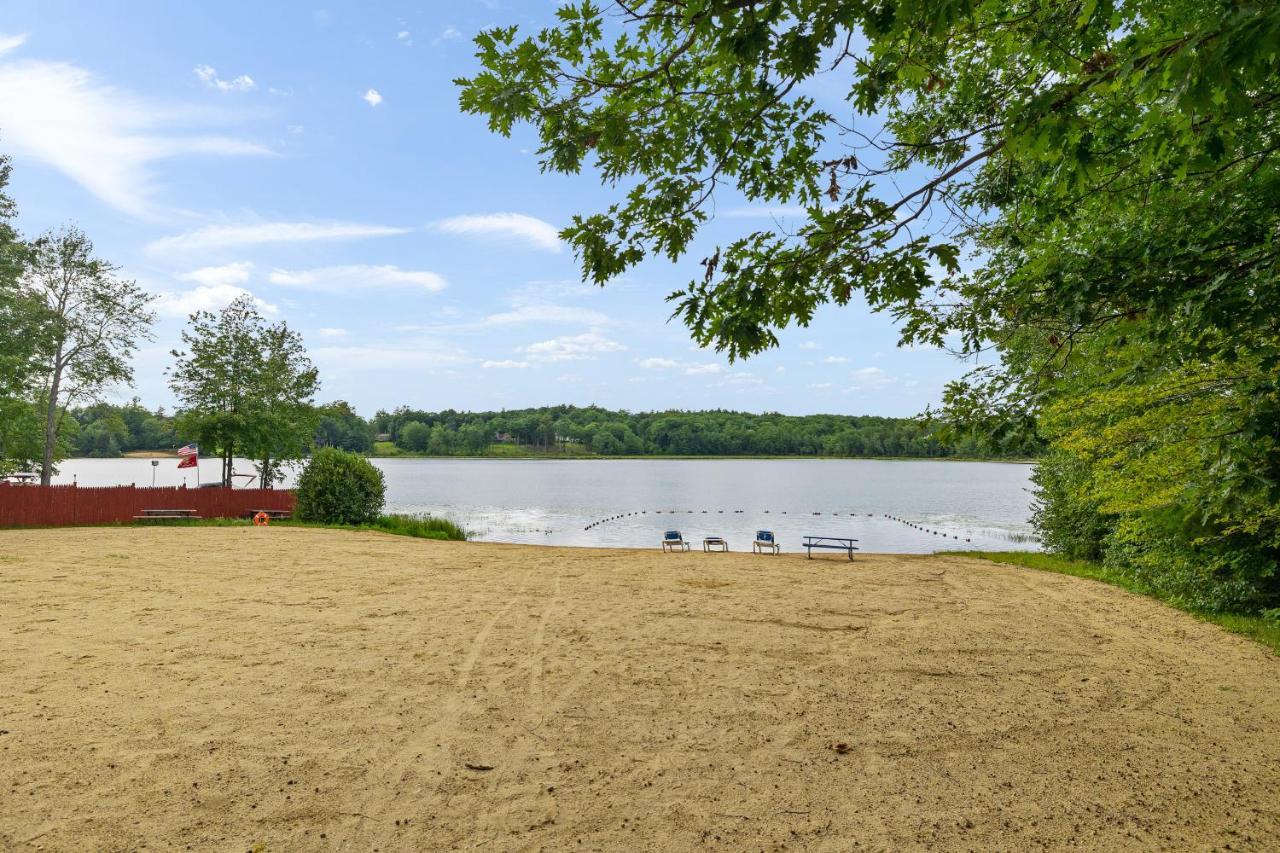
(292, 689)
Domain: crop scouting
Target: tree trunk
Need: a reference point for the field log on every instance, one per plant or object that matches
(51, 422)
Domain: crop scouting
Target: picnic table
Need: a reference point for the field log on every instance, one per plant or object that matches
(165, 514)
(836, 543)
(273, 514)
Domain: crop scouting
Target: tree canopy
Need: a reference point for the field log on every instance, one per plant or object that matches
(245, 387)
(1087, 189)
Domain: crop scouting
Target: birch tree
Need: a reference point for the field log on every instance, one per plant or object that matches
(94, 321)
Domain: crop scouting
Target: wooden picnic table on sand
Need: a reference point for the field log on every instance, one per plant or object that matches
(166, 514)
(836, 543)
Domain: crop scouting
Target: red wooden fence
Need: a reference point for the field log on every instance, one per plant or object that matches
(38, 506)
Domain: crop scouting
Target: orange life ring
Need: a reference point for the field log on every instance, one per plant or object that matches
(261, 520)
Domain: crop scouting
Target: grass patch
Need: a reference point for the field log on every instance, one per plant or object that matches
(420, 526)
(417, 526)
(1259, 628)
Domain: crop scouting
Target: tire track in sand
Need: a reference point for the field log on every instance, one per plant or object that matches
(446, 723)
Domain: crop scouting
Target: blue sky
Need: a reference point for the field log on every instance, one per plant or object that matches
(314, 156)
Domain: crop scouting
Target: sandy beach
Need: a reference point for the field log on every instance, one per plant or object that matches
(291, 689)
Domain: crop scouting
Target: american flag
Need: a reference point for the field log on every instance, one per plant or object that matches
(188, 450)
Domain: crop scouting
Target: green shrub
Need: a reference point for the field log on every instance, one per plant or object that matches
(1196, 568)
(338, 487)
(1068, 520)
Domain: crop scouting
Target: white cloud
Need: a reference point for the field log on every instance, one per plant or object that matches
(209, 76)
(346, 359)
(234, 273)
(658, 363)
(332, 333)
(207, 297)
(818, 386)
(372, 97)
(355, 277)
(405, 38)
(869, 377)
(517, 226)
(835, 359)
(573, 347)
(547, 314)
(505, 364)
(225, 236)
(698, 369)
(105, 139)
(12, 42)
(744, 377)
(449, 33)
(218, 287)
(810, 345)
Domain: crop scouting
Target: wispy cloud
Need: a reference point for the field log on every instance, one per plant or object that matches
(704, 369)
(793, 211)
(865, 378)
(658, 363)
(217, 287)
(810, 345)
(536, 313)
(12, 42)
(372, 97)
(332, 332)
(835, 359)
(506, 364)
(257, 233)
(573, 347)
(339, 360)
(405, 38)
(512, 226)
(103, 138)
(449, 33)
(209, 77)
(355, 277)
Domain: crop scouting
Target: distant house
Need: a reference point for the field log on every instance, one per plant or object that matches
(382, 436)
(504, 438)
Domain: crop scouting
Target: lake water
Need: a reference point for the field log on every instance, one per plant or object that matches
(629, 503)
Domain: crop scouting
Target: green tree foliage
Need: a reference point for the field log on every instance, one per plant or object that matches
(24, 338)
(341, 427)
(338, 487)
(107, 430)
(1109, 167)
(244, 387)
(606, 432)
(96, 320)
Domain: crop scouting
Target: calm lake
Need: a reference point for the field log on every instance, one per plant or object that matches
(578, 502)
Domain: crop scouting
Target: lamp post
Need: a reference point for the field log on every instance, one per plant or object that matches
(155, 463)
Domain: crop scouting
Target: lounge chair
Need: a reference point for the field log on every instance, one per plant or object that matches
(765, 542)
(715, 543)
(673, 541)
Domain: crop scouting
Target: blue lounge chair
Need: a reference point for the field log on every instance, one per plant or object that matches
(673, 541)
(765, 542)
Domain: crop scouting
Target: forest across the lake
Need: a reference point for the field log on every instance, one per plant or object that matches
(106, 431)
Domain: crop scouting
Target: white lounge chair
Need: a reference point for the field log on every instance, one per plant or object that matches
(765, 543)
(672, 540)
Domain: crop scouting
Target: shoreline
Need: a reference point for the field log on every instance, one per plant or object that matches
(170, 454)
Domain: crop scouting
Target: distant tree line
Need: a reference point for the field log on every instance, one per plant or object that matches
(105, 430)
(594, 430)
